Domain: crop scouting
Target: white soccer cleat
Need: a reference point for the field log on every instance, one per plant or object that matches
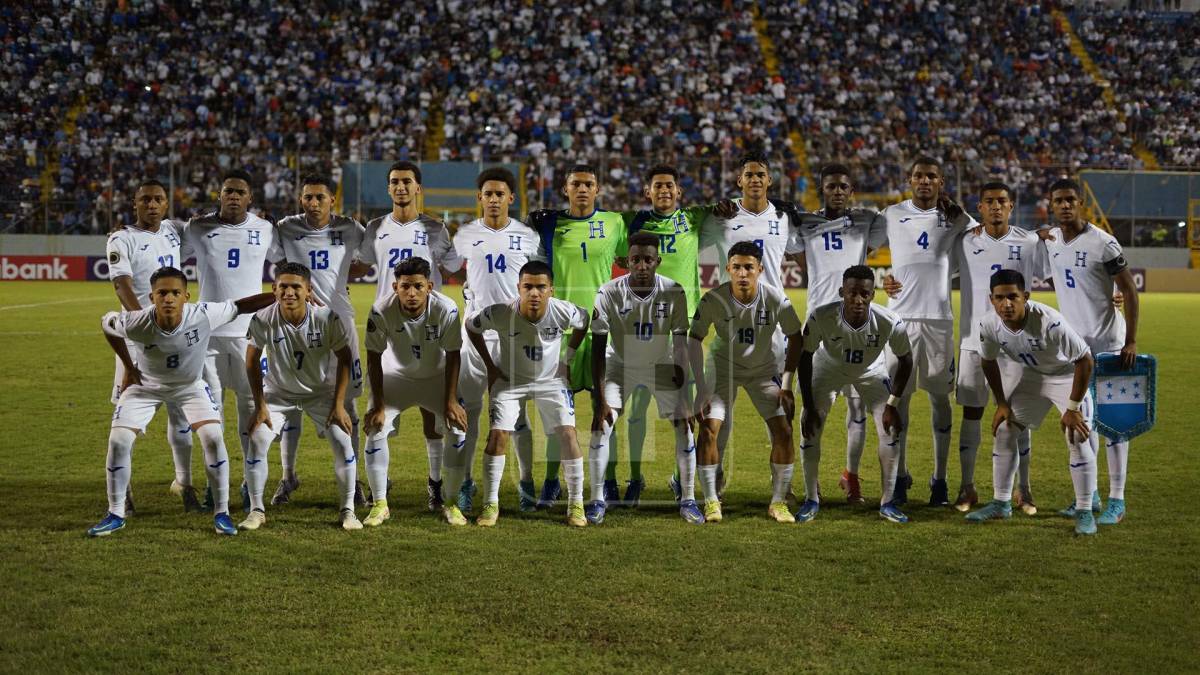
(350, 521)
(254, 520)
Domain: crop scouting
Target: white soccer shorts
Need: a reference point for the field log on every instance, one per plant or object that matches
(554, 399)
(621, 380)
(402, 393)
(932, 343)
(971, 388)
(225, 366)
(763, 391)
(1032, 395)
(316, 406)
(872, 387)
(137, 404)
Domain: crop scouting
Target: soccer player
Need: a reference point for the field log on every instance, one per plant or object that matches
(766, 226)
(746, 315)
(843, 348)
(645, 314)
(531, 368)
(1085, 262)
(170, 341)
(494, 247)
(302, 344)
(231, 246)
(832, 240)
(581, 245)
(420, 330)
(979, 255)
(326, 244)
(921, 234)
(1055, 370)
(405, 233)
(134, 253)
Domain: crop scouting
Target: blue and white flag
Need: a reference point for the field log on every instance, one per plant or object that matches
(1125, 399)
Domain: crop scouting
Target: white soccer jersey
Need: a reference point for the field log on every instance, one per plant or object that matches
(418, 345)
(640, 329)
(978, 257)
(771, 230)
(745, 331)
(494, 259)
(327, 253)
(850, 351)
(137, 253)
(832, 245)
(387, 242)
(921, 242)
(168, 359)
(1046, 344)
(301, 360)
(529, 352)
(230, 260)
(1083, 271)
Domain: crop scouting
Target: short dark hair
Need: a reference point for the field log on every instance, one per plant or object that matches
(582, 168)
(404, 165)
(643, 239)
(753, 156)
(859, 272)
(413, 266)
(1006, 277)
(927, 161)
(1066, 184)
(996, 185)
(536, 268)
(746, 248)
(293, 268)
(661, 170)
(167, 273)
(237, 174)
(150, 182)
(835, 170)
(497, 173)
(318, 179)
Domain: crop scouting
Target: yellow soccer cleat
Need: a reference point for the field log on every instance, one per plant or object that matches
(779, 511)
(379, 513)
(453, 515)
(489, 515)
(575, 515)
(712, 511)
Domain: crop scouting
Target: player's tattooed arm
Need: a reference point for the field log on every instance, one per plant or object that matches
(262, 414)
(1131, 304)
(601, 412)
(253, 303)
(1072, 420)
(338, 415)
(892, 422)
(454, 413)
(374, 418)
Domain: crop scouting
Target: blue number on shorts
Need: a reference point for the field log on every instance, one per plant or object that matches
(853, 355)
(319, 260)
(299, 359)
(833, 241)
(213, 399)
(643, 331)
(398, 254)
(173, 361)
(533, 353)
(666, 243)
(416, 350)
(570, 400)
(1070, 279)
(497, 265)
(745, 336)
(262, 365)
(166, 260)
(1027, 359)
(583, 245)
(235, 257)
(356, 370)
(996, 268)
(923, 240)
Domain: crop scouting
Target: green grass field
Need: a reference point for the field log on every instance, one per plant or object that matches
(643, 592)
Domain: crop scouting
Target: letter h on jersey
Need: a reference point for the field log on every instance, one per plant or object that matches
(514, 242)
(1014, 252)
(595, 230)
(1081, 258)
(252, 237)
(420, 238)
(772, 227)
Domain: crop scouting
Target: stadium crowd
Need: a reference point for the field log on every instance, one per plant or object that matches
(104, 93)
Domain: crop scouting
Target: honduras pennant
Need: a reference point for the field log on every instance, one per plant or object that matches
(1125, 399)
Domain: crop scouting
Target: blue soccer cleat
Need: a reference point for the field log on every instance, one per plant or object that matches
(691, 513)
(1069, 512)
(892, 513)
(1113, 513)
(993, 510)
(939, 492)
(528, 500)
(466, 494)
(551, 491)
(110, 524)
(1085, 523)
(633, 493)
(900, 493)
(594, 512)
(808, 510)
(612, 493)
(676, 488)
(223, 524)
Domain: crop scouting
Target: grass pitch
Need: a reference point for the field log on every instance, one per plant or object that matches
(643, 592)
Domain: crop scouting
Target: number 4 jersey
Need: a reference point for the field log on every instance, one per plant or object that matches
(921, 242)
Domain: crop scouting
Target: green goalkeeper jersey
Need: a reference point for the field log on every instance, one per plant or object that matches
(678, 244)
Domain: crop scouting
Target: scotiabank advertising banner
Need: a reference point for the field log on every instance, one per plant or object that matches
(95, 268)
